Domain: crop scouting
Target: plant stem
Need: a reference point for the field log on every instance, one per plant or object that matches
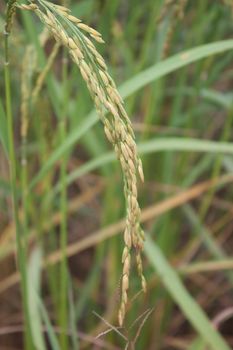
(20, 241)
(63, 232)
(63, 242)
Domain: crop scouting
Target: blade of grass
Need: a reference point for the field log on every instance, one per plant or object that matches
(198, 344)
(204, 233)
(181, 296)
(206, 237)
(50, 331)
(173, 63)
(34, 290)
(3, 128)
(72, 319)
(20, 241)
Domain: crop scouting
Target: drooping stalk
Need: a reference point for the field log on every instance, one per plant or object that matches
(20, 239)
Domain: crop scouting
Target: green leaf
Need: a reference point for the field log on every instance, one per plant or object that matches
(50, 331)
(3, 129)
(173, 63)
(181, 296)
(198, 344)
(34, 275)
(37, 309)
(185, 145)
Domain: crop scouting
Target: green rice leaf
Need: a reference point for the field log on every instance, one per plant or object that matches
(173, 63)
(3, 129)
(34, 275)
(190, 308)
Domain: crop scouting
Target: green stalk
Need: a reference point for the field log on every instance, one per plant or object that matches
(24, 182)
(217, 166)
(63, 302)
(63, 297)
(20, 240)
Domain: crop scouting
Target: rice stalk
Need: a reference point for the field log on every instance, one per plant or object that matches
(41, 78)
(29, 94)
(177, 9)
(21, 239)
(28, 67)
(78, 38)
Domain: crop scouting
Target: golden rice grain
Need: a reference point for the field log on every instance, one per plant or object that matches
(117, 125)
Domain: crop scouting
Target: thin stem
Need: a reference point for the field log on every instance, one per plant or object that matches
(63, 233)
(20, 240)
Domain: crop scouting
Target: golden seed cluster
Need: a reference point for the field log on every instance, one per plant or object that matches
(117, 125)
(11, 5)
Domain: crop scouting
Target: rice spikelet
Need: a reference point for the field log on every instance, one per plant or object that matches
(72, 33)
(11, 7)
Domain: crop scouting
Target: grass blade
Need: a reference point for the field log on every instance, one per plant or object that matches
(34, 290)
(186, 145)
(37, 309)
(50, 331)
(3, 129)
(180, 295)
(173, 63)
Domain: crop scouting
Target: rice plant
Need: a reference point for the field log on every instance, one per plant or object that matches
(60, 182)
